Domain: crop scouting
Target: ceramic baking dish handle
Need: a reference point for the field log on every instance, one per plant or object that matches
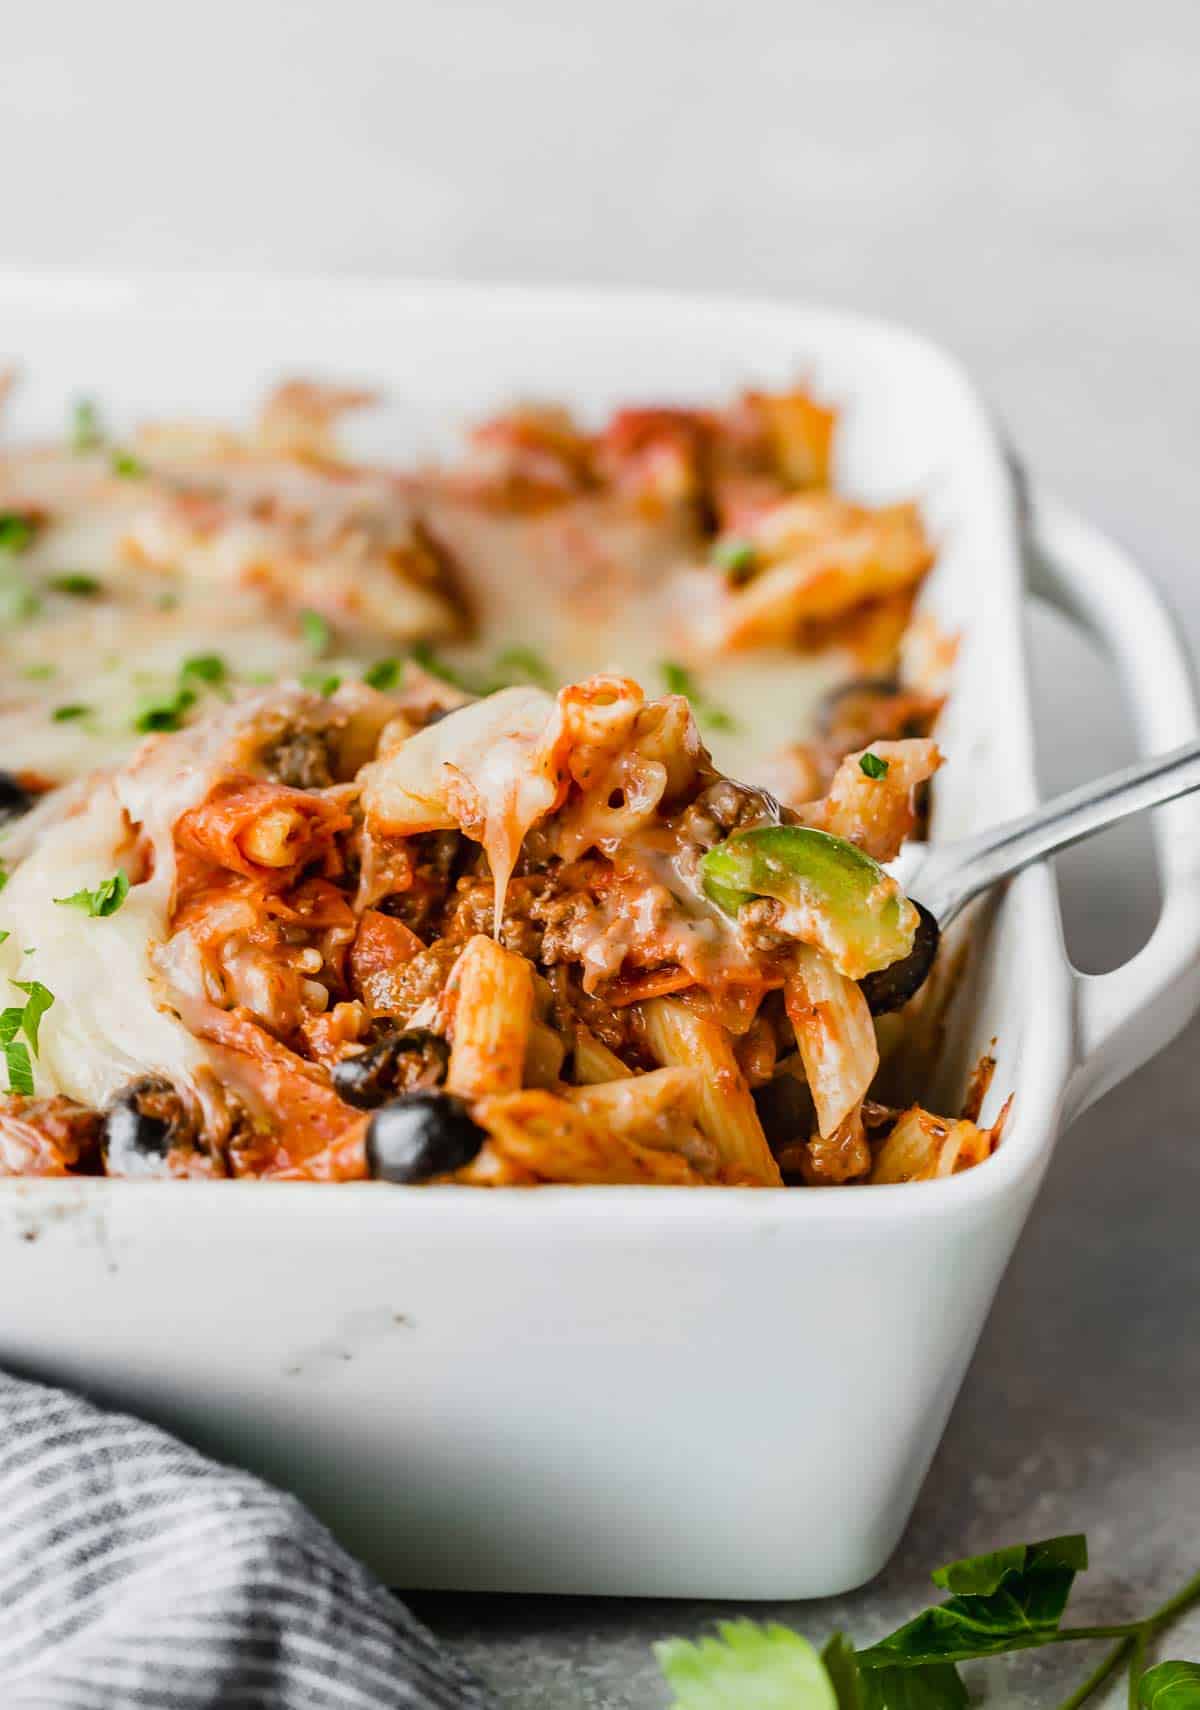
(1122, 1018)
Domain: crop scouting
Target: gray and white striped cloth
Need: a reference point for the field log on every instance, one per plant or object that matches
(134, 1572)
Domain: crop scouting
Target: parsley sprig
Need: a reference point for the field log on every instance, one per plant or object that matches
(510, 667)
(86, 431)
(23, 1018)
(169, 710)
(680, 681)
(1010, 1600)
(737, 558)
(105, 899)
(16, 531)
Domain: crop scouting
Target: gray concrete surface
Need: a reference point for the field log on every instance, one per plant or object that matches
(1018, 177)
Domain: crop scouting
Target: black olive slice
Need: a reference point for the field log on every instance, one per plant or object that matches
(419, 1135)
(397, 1062)
(891, 988)
(15, 799)
(141, 1126)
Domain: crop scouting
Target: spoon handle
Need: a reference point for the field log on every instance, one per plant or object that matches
(955, 873)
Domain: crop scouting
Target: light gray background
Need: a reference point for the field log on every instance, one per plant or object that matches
(1022, 181)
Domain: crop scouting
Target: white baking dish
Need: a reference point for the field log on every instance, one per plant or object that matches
(609, 1390)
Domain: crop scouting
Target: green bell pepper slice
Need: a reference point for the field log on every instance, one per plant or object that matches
(835, 896)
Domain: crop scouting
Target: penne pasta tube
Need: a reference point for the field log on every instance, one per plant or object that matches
(544, 1056)
(656, 1109)
(835, 1034)
(490, 999)
(594, 1061)
(922, 1147)
(249, 824)
(726, 1112)
(554, 1141)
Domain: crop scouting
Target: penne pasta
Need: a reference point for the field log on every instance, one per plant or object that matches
(490, 1001)
(726, 1112)
(557, 1142)
(835, 1034)
(545, 1054)
(594, 1062)
(923, 1147)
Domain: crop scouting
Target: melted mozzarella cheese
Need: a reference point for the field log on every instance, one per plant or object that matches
(591, 591)
(488, 768)
(114, 1013)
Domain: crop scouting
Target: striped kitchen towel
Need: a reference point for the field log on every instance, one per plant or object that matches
(134, 1572)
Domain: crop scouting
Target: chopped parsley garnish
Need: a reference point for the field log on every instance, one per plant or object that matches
(522, 665)
(384, 674)
(316, 631)
(104, 900)
(873, 766)
(165, 713)
(680, 681)
(86, 432)
(321, 683)
(738, 558)
(167, 602)
(207, 668)
(129, 467)
(424, 656)
(72, 709)
(37, 1001)
(17, 599)
(76, 582)
(39, 673)
(27, 1019)
(3, 875)
(16, 531)
(16, 1059)
(4, 936)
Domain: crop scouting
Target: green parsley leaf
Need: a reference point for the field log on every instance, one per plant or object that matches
(4, 936)
(16, 531)
(167, 602)
(38, 1000)
(165, 713)
(71, 710)
(204, 668)
(872, 766)
(76, 582)
(383, 675)
(980, 1576)
(748, 1667)
(424, 656)
(39, 673)
(320, 684)
(20, 1069)
(522, 665)
(935, 1687)
(18, 602)
(86, 432)
(737, 558)
(1009, 1600)
(1170, 1686)
(104, 900)
(129, 467)
(680, 681)
(316, 631)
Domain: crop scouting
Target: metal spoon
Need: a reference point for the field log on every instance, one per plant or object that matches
(952, 873)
